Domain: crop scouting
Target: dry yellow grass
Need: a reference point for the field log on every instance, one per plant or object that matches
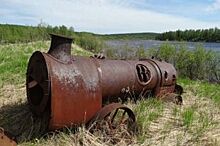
(167, 129)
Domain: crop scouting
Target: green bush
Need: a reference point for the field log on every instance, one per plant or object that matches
(123, 52)
(167, 53)
(140, 53)
(198, 63)
(89, 42)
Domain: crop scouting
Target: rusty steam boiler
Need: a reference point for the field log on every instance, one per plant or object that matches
(73, 89)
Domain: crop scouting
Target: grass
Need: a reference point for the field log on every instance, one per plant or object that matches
(196, 122)
(203, 89)
(147, 112)
(188, 116)
(14, 59)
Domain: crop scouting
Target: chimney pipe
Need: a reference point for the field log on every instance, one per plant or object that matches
(60, 47)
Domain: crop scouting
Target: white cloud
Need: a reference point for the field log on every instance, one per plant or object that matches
(215, 6)
(101, 16)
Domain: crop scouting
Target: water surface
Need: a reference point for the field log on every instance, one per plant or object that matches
(156, 44)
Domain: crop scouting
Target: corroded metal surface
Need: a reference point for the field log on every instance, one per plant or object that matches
(106, 110)
(74, 88)
(114, 115)
(5, 140)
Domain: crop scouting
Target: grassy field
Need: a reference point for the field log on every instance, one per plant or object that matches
(196, 122)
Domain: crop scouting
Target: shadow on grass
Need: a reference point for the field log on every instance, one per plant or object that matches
(18, 121)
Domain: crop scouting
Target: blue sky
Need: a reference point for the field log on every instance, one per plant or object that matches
(114, 16)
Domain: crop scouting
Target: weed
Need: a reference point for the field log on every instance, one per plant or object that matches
(147, 110)
(188, 116)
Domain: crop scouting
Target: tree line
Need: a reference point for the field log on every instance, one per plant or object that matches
(204, 35)
(129, 36)
(18, 33)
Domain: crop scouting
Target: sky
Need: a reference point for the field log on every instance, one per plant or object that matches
(114, 16)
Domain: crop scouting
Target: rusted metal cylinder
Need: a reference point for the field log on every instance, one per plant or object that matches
(139, 75)
(5, 140)
(72, 88)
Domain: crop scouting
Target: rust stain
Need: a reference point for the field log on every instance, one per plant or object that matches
(5, 140)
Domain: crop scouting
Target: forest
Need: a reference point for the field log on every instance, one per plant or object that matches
(18, 33)
(199, 35)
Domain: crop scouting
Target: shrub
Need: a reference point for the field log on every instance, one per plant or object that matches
(89, 42)
(140, 53)
(198, 63)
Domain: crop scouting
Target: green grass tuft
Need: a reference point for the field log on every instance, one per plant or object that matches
(188, 116)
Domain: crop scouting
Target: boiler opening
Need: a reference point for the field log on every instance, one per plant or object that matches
(36, 92)
(37, 83)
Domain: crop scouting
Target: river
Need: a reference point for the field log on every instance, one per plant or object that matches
(156, 44)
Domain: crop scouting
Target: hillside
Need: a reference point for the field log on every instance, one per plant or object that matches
(196, 122)
(18, 33)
